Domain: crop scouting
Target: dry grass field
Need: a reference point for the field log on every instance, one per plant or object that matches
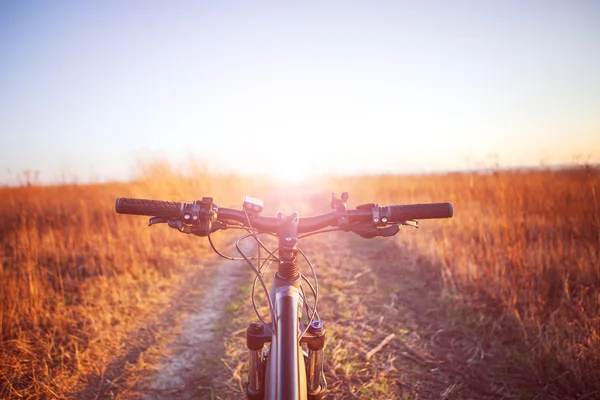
(502, 301)
(519, 274)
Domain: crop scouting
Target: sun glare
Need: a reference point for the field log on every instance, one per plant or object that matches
(294, 174)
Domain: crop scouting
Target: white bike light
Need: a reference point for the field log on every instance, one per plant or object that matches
(253, 205)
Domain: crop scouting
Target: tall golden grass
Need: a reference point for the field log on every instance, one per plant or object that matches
(524, 242)
(75, 275)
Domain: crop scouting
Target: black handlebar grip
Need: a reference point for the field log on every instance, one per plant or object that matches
(151, 208)
(421, 211)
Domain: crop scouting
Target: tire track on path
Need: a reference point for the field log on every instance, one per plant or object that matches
(195, 354)
(175, 354)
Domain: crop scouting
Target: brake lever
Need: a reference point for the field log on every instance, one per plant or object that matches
(411, 222)
(369, 231)
(389, 231)
(218, 225)
(196, 230)
(157, 220)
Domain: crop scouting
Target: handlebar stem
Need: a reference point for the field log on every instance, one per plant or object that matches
(287, 233)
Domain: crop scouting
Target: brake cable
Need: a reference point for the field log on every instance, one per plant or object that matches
(314, 289)
(260, 279)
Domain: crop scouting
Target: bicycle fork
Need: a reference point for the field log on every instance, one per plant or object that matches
(257, 335)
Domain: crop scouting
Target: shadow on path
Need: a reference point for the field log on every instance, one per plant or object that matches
(400, 328)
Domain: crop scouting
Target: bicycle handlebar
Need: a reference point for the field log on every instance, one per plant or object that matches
(396, 213)
(422, 211)
(153, 208)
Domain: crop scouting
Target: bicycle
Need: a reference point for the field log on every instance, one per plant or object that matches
(291, 367)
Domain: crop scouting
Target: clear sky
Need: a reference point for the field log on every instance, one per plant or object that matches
(90, 88)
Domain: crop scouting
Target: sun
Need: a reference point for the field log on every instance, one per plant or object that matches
(291, 173)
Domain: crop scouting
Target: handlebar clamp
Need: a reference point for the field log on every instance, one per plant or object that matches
(339, 205)
(381, 215)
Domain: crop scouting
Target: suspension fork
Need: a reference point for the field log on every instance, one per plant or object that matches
(282, 373)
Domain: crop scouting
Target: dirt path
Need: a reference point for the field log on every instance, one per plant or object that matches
(176, 354)
(186, 372)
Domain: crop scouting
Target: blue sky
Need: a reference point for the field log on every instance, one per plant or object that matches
(90, 89)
